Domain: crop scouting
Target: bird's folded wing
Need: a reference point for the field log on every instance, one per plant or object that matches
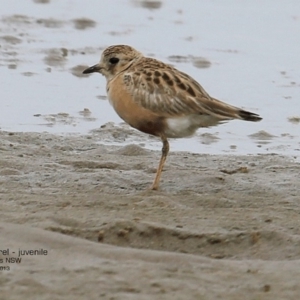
(171, 93)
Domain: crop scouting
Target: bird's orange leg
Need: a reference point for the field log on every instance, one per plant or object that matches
(165, 151)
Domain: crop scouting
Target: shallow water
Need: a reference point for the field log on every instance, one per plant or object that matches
(245, 54)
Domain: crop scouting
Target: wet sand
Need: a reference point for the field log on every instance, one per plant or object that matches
(220, 227)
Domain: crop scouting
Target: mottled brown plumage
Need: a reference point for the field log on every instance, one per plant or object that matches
(158, 99)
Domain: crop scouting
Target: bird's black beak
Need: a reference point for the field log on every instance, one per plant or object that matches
(95, 68)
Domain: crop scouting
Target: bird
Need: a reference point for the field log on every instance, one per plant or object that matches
(158, 99)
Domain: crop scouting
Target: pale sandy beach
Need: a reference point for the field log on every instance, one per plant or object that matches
(221, 227)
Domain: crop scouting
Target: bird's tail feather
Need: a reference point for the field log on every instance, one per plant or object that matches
(249, 116)
(226, 111)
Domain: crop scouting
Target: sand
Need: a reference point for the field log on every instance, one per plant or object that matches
(220, 227)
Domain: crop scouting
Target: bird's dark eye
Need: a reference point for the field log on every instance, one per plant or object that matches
(114, 60)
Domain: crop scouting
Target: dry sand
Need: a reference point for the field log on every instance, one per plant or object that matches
(221, 227)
